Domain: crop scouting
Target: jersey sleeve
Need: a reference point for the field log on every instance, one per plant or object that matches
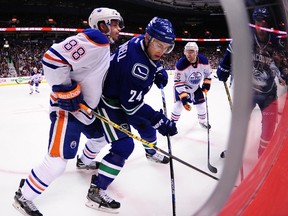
(207, 71)
(179, 81)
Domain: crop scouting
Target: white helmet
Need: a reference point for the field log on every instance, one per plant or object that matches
(106, 15)
(191, 46)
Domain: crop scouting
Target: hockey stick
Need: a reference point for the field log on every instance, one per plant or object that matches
(151, 145)
(228, 95)
(170, 152)
(223, 154)
(210, 167)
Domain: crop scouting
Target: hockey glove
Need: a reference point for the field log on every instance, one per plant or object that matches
(223, 72)
(163, 124)
(206, 85)
(69, 97)
(161, 79)
(185, 99)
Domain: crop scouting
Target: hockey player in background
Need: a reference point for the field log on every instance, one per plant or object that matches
(191, 70)
(264, 72)
(75, 69)
(134, 67)
(35, 80)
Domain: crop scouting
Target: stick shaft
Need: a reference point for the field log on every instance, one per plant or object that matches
(128, 133)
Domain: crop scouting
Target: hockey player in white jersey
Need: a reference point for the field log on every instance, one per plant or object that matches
(75, 69)
(191, 71)
(35, 80)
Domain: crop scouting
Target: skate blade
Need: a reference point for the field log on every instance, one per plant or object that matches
(86, 168)
(94, 205)
(18, 207)
(89, 167)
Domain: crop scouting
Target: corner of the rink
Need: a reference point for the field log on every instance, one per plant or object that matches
(264, 191)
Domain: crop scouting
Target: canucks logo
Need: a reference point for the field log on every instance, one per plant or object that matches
(195, 78)
(140, 71)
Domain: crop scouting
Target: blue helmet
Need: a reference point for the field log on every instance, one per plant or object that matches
(161, 29)
(260, 14)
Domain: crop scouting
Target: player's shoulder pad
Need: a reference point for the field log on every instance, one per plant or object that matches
(96, 36)
(182, 63)
(203, 59)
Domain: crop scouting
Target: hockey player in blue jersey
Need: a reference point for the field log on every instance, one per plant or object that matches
(263, 74)
(134, 67)
(191, 70)
(75, 69)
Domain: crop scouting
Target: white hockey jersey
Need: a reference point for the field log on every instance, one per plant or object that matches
(189, 76)
(84, 58)
(35, 78)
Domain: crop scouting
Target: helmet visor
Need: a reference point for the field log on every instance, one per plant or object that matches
(164, 47)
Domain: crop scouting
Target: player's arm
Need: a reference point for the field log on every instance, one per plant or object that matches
(138, 112)
(224, 67)
(207, 78)
(179, 85)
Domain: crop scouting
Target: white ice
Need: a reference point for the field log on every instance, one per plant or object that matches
(142, 187)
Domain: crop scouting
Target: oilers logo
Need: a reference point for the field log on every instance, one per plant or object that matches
(195, 78)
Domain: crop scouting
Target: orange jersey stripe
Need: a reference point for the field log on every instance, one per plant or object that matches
(55, 150)
(53, 59)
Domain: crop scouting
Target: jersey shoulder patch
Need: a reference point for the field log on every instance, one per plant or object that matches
(182, 64)
(96, 36)
(202, 59)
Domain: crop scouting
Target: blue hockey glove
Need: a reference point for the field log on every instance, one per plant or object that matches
(69, 97)
(163, 124)
(223, 72)
(185, 99)
(161, 78)
(206, 85)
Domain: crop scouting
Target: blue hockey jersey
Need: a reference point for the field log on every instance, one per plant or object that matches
(130, 76)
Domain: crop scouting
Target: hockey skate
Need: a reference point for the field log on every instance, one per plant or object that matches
(31, 92)
(23, 205)
(92, 166)
(205, 125)
(37, 91)
(99, 200)
(158, 158)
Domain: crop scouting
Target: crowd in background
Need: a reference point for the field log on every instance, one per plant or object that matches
(26, 56)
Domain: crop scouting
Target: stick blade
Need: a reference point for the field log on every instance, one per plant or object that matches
(212, 168)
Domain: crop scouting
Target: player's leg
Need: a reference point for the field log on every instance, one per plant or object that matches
(37, 87)
(177, 108)
(63, 144)
(121, 148)
(31, 84)
(269, 111)
(148, 133)
(96, 141)
(200, 103)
